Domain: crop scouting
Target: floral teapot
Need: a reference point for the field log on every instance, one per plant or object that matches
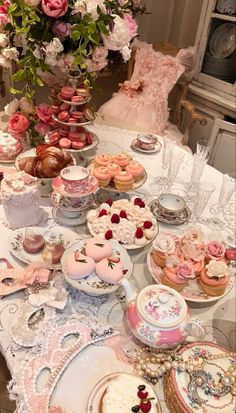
(159, 317)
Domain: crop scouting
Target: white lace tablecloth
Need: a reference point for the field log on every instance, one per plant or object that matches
(93, 363)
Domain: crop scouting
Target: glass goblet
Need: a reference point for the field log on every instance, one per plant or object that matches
(174, 167)
(203, 194)
(167, 150)
(203, 148)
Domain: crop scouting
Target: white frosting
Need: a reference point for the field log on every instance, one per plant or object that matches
(121, 394)
(9, 146)
(165, 244)
(141, 241)
(91, 215)
(123, 232)
(104, 206)
(217, 269)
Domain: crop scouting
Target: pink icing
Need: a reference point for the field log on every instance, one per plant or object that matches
(102, 173)
(172, 274)
(98, 249)
(135, 168)
(122, 160)
(79, 266)
(102, 160)
(230, 255)
(124, 176)
(109, 271)
(215, 250)
(212, 281)
(113, 168)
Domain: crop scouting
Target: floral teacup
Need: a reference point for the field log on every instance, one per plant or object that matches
(75, 178)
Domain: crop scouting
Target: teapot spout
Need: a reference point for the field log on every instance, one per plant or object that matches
(130, 295)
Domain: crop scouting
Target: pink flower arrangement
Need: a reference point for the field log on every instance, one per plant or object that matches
(55, 8)
(61, 29)
(18, 124)
(3, 17)
(44, 113)
(131, 24)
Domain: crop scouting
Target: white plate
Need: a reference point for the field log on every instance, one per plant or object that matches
(58, 235)
(59, 217)
(94, 402)
(223, 40)
(75, 151)
(193, 291)
(137, 148)
(72, 124)
(92, 285)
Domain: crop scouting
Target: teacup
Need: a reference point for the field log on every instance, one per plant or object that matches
(170, 204)
(146, 142)
(74, 178)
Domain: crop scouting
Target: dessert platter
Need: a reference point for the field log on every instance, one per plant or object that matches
(129, 222)
(198, 268)
(10, 147)
(121, 392)
(36, 244)
(96, 266)
(170, 209)
(146, 144)
(77, 141)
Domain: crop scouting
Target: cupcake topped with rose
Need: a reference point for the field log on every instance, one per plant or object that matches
(194, 252)
(177, 277)
(215, 250)
(164, 246)
(214, 278)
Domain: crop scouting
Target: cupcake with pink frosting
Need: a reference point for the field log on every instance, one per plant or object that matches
(215, 250)
(214, 278)
(164, 246)
(194, 252)
(178, 277)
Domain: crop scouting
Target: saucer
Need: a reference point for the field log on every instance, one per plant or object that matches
(70, 222)
(157, 148)
(171, 204)
(170, 220)
(59, 186)
(72, 204)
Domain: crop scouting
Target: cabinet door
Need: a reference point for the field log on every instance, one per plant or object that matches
(223, 147)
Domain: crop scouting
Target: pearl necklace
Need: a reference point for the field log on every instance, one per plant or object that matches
(166, 360)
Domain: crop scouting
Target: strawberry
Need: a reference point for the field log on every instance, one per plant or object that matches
(123, 214)
(147, 224)
(109, 201)
(102, 212)
(115, 219)
(145, 406)
(139, 233)
(142, 394)
(108, 235)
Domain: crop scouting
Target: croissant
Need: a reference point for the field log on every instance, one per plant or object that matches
(47, 163)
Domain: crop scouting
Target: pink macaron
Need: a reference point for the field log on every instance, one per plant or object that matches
(89, 137)
(55, 109)
(77, 99)
(63, 132)
(77, 145)
(63, 115)
(74, 136)
(77, 114)
(67, 92)
(54, 138)
(65, 106)
(65, 143)
(72, 120)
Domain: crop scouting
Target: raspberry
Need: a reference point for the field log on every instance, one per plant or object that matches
(109, 201)
(137, 201)
(139, 233)
(147, 224)
(115, 219)
(142, 394)
(108, 235)
(123, 214)
(142, 204)
(145, 406)
(102, 212)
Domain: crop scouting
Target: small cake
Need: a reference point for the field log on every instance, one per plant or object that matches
(103, 176)
(121, 159)
(52, 253)
(136, 169)
(178, 277)
(32, 242)
(214, 278)
(113, 168)
(102, 160)
(9, 147)
(98, 249)
(164, 246)
(109, 270)
(215, 250)
(128, 393)
(79, 265)
(194, 252)
(123, 181)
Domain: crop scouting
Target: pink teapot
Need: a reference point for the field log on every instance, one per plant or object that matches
(159, 317)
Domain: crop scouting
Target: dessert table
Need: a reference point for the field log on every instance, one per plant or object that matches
(96, 361)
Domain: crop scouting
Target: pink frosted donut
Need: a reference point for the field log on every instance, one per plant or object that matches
(113, 168)
(79, 266)
(102, 160)
(109, 270)
(98, 249)
(136, 169)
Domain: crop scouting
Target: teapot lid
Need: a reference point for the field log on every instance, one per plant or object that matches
(161, 306)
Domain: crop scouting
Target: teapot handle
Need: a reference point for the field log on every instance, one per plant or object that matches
(201, 326)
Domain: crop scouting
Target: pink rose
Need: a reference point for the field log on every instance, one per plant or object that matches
(192, 251)
(185, 270)
(44, 113)
(42, 128)
(61, 29)
(7, 3)
(55, 8)
(230, 255)
(3, 17)
(215, 250)
(18, 124)
(132, 25)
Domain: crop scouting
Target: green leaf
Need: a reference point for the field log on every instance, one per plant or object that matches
(20, 75)
(14, 91)
(99, 245)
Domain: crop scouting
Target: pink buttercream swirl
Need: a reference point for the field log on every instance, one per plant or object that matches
(215, 250)
(192, 251)
(185, 270)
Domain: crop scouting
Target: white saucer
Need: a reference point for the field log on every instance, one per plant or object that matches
(69, 222)
(157, 148)
(88, 122)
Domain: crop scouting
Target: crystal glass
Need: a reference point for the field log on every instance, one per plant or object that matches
(229, 215)
(203, 148)
(174, 167)
(203, 193)
(196, 174)
(167, 151)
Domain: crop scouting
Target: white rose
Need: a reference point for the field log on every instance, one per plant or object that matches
(11, 107)
(20, 40)
(217, 269)
(37, 53)
(10, 53)
(119, 37)
(55, 46)
(33, 3)
(126, 53)
(4, 41)
(89, 6)
(6, 63)
(26, 106)
(51, 59)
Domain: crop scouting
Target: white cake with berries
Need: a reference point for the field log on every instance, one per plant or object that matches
(128, 393)
(129, 222)
(9, 147)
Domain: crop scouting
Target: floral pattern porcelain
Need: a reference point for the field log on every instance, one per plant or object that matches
(159, 317)
(72, 204)
(91, 186)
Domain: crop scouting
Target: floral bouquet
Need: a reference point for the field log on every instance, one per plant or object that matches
(48, 38)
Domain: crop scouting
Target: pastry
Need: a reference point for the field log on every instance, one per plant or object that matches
(52, 253)
(194, 252)
(77, 114)
(102, 175)
(178, 277)
(32, 242)
(65, 106)
(123, 181)
(98, 249)
(113, 168)
(163, 247)
(63, 115)
(215, 250)
(74, 136)
(214, 278)
(65, 143)
(77, 99)
(136, 169)
(89, 137)
(55, 109)
(82, 91)
(9, 147)
(128, 393)
(102, 160)
(121, 159)
(109, 270)
(79, 265)
(77, 145)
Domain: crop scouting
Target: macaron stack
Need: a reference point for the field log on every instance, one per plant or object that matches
(66, 139)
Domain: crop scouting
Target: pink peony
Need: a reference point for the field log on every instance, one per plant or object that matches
(99, 57)
(185, 270)
(44, 113)
(55, 8)
(18, 124)
(215, 250)
(3, 17)
(42, 128)
(61, 29)
(119, 37)
(131, 24)
(7, 3)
